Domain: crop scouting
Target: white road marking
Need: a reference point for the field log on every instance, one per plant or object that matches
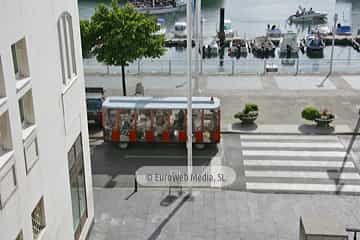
(288, 137)
(328, 154)
(295, 163)
(302, 174)
(330, 145)
(291, 187)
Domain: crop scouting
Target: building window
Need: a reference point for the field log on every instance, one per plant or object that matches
(20, 236)
(7, 185)
(67, 48)
(2, 82)
(5, 134)
(26, 108)
(38, 219)
(31, 152)
(20, 59)
(77, 186)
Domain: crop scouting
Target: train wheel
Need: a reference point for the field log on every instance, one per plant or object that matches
(123, 145)
(199, 146)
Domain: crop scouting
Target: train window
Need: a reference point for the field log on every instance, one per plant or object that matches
(144, 123)
(210, 123)
(178, 119)
(197, 120)
(161, 122)
(111, 118)
(127, 123)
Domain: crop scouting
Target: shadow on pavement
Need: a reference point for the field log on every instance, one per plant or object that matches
(121, 165)
(244, 127)
(313, 129)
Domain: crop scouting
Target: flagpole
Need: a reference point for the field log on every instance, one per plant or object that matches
(189, 78)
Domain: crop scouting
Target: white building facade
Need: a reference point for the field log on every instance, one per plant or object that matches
(45, 171)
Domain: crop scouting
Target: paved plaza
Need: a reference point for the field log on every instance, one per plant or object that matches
(153, 214)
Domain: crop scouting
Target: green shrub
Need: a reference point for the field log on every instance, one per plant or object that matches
(310, 113)
(250, 107)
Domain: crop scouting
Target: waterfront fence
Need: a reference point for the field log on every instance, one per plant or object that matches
(229, 66)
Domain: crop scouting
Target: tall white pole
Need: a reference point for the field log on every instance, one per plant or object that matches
(201, 43)
(197, 40)
(189, 78)
(333, 44)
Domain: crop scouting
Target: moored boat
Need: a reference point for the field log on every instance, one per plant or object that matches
(344, 30)
(238, 48)
(302, 16)
(314, 43)
(161, 27)
(159, 7)
(263, 47)
(322, 29)
(289, 45)
(274, 34)
(180, 30)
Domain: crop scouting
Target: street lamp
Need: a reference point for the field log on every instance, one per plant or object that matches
(333, 44)
(189, 13)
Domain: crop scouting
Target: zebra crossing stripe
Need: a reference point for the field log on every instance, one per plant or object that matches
(295, 163)
(330, 145)
(329, 154)
(288, 137)
(295, 187)
(303, 174)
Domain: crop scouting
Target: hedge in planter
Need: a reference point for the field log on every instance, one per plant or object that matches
(249, 114)
(322, 118)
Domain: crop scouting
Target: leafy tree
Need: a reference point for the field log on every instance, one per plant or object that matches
(87, 38)
(124, 35)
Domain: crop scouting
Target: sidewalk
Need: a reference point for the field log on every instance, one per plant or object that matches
(213, 214)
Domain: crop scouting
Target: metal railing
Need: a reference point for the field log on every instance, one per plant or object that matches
(229, 66)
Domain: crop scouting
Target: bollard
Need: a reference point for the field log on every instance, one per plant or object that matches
(233, 66)
(169, 66)
(297, 67)
(264, 66)
(139, 70)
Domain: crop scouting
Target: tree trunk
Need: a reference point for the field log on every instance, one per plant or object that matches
(123, 79)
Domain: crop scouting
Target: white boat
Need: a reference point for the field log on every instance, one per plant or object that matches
(161, 27)
(323, 30)
(289, 45)
(211, 48)
(307, 16)
(273, 32)
(166, 6)
(229, 32)
(180, 30)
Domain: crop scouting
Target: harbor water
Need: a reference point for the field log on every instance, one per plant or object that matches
(250, 19)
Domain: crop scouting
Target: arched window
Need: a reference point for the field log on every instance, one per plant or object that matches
(67, 48)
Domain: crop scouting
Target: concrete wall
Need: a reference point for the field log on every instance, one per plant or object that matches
(56, 126)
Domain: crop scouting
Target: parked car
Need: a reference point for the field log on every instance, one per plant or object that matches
(94, 101)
